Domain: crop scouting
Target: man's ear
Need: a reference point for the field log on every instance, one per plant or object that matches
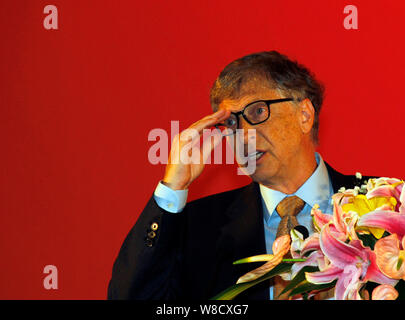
(307, 115)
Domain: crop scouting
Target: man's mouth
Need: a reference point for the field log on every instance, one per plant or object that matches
(256, 155)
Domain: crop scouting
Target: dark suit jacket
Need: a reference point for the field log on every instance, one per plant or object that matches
(190, 254)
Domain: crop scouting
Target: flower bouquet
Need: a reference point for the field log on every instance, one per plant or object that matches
(357, 253)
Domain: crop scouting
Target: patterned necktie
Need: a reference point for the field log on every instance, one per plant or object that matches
(287, 209)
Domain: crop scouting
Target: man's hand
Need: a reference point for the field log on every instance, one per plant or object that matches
(178, 175)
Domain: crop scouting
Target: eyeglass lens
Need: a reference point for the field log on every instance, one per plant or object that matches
(255, 113)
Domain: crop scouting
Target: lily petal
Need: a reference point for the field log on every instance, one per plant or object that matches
(402, 200)
(320, 219)
(383, 181)
(312, 261)
(311, 243)
(384, 191)
(326, 276)
(348, 285)
(388, 188)
(354, 295)
(338, 218)
(338, 252)
(391, 221)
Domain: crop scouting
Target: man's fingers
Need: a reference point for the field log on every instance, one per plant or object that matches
(191, 136)
(210, 120)
(209, 143)
(196, 129)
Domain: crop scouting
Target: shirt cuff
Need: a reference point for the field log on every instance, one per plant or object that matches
(170, 200)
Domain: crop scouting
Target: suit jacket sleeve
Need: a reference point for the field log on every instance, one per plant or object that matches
(149, 265)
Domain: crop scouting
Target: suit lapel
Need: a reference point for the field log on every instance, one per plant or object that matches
(340, 180)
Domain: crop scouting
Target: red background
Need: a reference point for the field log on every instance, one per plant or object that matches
(77, 105)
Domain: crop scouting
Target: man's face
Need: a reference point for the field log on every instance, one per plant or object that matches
(280, 138)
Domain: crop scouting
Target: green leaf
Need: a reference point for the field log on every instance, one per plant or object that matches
(300, 276)
(231, 292)
(294, 260)
(308, 287)
(258, 258)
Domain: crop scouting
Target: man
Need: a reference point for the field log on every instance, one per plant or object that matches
(178, 250)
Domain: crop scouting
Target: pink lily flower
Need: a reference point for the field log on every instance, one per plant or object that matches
(351, 264)
(342, 224)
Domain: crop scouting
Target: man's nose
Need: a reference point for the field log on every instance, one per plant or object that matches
(248, 135)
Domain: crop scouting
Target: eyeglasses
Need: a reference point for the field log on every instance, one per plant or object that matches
(254, 113)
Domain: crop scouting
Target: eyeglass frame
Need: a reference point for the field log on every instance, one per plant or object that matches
(242, 112)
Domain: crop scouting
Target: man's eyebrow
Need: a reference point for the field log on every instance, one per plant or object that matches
(240, 108)
(258, 99)
(232, 105)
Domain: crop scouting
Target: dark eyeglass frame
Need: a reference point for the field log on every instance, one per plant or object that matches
(242, 112)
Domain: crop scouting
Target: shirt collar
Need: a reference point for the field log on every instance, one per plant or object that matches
(316, 189)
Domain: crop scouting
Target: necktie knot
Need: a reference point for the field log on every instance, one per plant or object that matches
(290, 206)
(287, 209)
